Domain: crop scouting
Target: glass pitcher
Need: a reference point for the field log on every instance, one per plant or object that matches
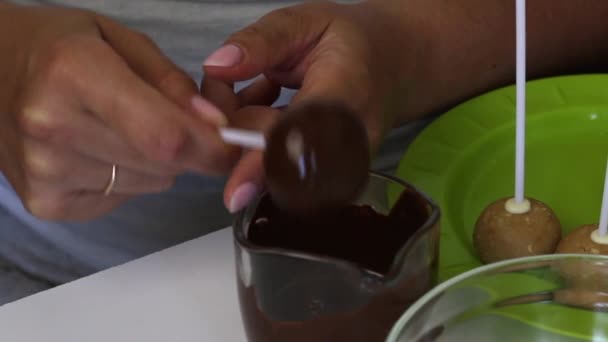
(288, 295)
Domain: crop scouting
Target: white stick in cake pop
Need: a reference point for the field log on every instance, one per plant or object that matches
(520, 204)
(510, 227)
(600, 235)
(244, 138)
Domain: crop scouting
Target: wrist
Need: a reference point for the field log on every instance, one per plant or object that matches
(450, 51)
(406, 40)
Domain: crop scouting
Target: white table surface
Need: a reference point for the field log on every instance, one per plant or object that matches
(185, 293)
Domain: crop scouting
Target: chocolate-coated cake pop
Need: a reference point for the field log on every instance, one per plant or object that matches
(501, 234)
(317, 157)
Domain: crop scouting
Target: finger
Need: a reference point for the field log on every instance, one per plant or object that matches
(153, 125)
(246, 180)
(145, 58)
(125, 181)
(245, 183)
(211, 155)
(255, 118)
(76, 206)
(220, 93)
(279, 39)
(261, 92)
(82, 134)
(330, 78)
(53, 170)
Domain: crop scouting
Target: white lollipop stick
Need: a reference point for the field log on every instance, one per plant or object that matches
(601, 234)
(520, 204)
(244, 138)
(520, 135)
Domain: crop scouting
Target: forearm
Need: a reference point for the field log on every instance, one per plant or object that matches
(468, 47)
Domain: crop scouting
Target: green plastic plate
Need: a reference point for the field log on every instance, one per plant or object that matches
(465, 159)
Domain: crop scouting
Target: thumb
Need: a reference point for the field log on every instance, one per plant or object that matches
(279, 40)
(148, 62)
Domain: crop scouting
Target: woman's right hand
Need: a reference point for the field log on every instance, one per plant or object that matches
(81, 93)
(336, 52)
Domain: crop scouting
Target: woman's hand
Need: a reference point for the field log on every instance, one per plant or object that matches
(357, 54)
(81, 93)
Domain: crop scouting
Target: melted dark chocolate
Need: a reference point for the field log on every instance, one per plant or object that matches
(317, 157)
(354, 233)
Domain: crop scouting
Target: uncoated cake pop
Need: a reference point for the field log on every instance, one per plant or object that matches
(580, 241)
(518, 226)
(503, 233)
(590, 238)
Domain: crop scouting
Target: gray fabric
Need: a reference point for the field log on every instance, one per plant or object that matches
(14, 283)
(59, 252)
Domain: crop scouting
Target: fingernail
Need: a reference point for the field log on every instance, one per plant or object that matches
(242, 196)
(207, 111)
(226, 56)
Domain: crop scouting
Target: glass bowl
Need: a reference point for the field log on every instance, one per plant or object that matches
(559, 297)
